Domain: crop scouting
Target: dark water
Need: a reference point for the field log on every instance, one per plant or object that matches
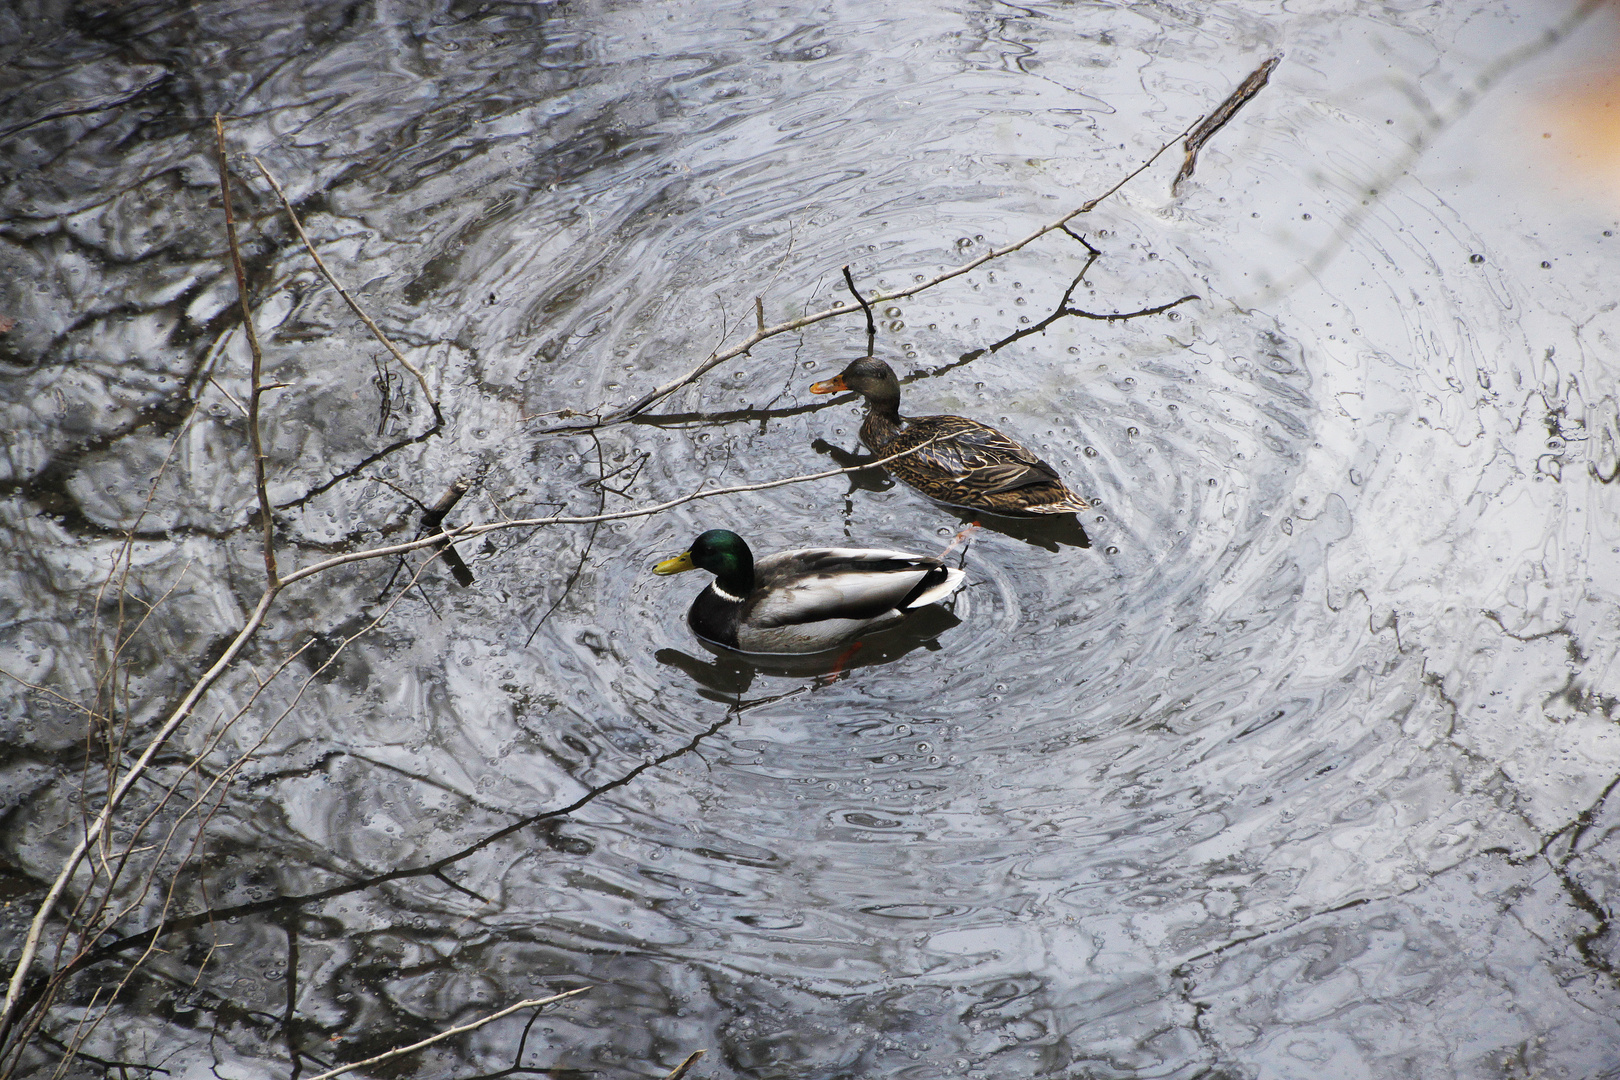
(1298, 770)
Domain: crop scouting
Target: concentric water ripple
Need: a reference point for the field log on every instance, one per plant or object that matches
(1296, 765)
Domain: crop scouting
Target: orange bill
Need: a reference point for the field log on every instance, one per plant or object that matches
(830, 386)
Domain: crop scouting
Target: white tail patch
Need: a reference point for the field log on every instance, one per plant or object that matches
(953, 581)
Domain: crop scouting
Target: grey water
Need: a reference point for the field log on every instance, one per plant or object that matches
(1299, 767)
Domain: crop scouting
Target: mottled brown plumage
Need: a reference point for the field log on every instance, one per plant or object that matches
(969, 464)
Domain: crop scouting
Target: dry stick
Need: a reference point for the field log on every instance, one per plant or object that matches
(1218, 119)
(376, 330)
(641, 404)
(433, 518)
(258, 359)
(446, 1034)
(684, 1067)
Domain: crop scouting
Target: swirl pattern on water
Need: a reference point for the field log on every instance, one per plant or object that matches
(1253, 784)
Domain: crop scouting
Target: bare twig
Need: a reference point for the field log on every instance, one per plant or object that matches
(652, 397)
(871, 326)
(759, 312)
(463, 532)
(320, 264)
(254, 389)
(684, 1067)
(240, 407)
(1065, 311)
(93, 832)
(96, 828)
(1218, 119)
(448, 1033)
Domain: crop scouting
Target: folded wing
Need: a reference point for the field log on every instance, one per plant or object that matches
(846, 583)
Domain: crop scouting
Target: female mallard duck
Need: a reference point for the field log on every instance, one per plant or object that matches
(804, 601)
(971, 465)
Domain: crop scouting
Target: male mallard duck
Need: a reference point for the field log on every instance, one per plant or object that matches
(807, 600)
(971, 465)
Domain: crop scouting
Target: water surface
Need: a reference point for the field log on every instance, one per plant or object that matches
(1299, 769)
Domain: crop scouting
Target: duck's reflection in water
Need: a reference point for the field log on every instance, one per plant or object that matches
(728, 674)
(1049, 531)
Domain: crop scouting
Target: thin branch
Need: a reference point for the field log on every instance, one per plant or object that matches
(215, 384)
(448, 1033)
(421, 380)
(652, 397)
(684, 1067)
(1065, 311)
(92, 833)
(463, 532)
(97, 827)
(442, 876)
(1120, 316)
(254, 389)
(871, 327)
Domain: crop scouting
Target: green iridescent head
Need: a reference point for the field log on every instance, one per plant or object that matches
(723, 554)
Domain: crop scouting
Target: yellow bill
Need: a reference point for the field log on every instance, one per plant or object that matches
(679, 564)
